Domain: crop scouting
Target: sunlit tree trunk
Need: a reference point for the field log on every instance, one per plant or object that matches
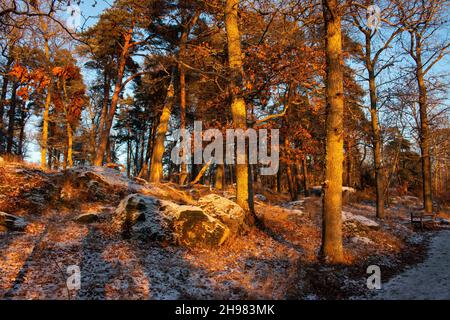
(332, 249)
(220, 177)
(156, 169)
(238, 108)
(69, 145)
(183, 173)
(144, 171)
(45, 128)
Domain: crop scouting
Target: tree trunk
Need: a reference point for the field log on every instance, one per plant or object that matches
(11, 119)
(305, 177)
(23, 116)
(183, 171)
(278, 182)
(332, 249)
(92, 141)
(349, 162)
(238, 108)
(104, 136)
(424, 133)
(46, 114)
(69, 145)
(144, 171)
(3, 102)
(128, 153)
(156, 169)
(378, 167)
(106, 89)
(220, 177)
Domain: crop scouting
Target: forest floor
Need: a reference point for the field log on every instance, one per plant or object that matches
(275, 262)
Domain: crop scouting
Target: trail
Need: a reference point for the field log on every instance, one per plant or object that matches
(429, 280)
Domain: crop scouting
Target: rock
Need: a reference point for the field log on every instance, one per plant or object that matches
(193, 227)
(100, 183)
(86, 218)
(134, 208)
(148, 218)
(261, 197)
(299, 204)
(348, 216)
(11, 222)
(359, 239)
(225, 210)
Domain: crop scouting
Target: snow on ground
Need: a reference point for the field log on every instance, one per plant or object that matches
(429, 280)
(346, 216)
(33, 263)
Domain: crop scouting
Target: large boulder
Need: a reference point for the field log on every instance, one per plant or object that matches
(149, 218)
(9, 222)
(101, 183)
(225, 210)
(194, 227)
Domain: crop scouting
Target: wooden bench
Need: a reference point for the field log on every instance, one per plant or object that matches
(419, 217)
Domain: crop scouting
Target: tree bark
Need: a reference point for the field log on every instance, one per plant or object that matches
(69, 145)
(305, 177)
(3, 102)
(378, 167)
(23, 117)
(424, 131)
(104, 136)
(11, 119)
(220, 177)
(156, 169)
(332, 249)
(144, 171)
(238, 108)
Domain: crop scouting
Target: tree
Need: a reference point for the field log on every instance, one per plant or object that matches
(423, 26)
(69, 97)
(371, 56)
(118, 36)
(332, 248)
(238, 107)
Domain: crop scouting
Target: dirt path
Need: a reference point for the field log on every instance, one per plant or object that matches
(429, 280)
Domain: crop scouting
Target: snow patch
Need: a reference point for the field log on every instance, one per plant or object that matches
(348, 216)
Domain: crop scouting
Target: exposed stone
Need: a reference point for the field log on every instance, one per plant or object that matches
(148, 218)
(193, 227)
(359, 239)
(11, 222)
(86, 218)
(364, 221)
(261, 197)
(225, 210)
